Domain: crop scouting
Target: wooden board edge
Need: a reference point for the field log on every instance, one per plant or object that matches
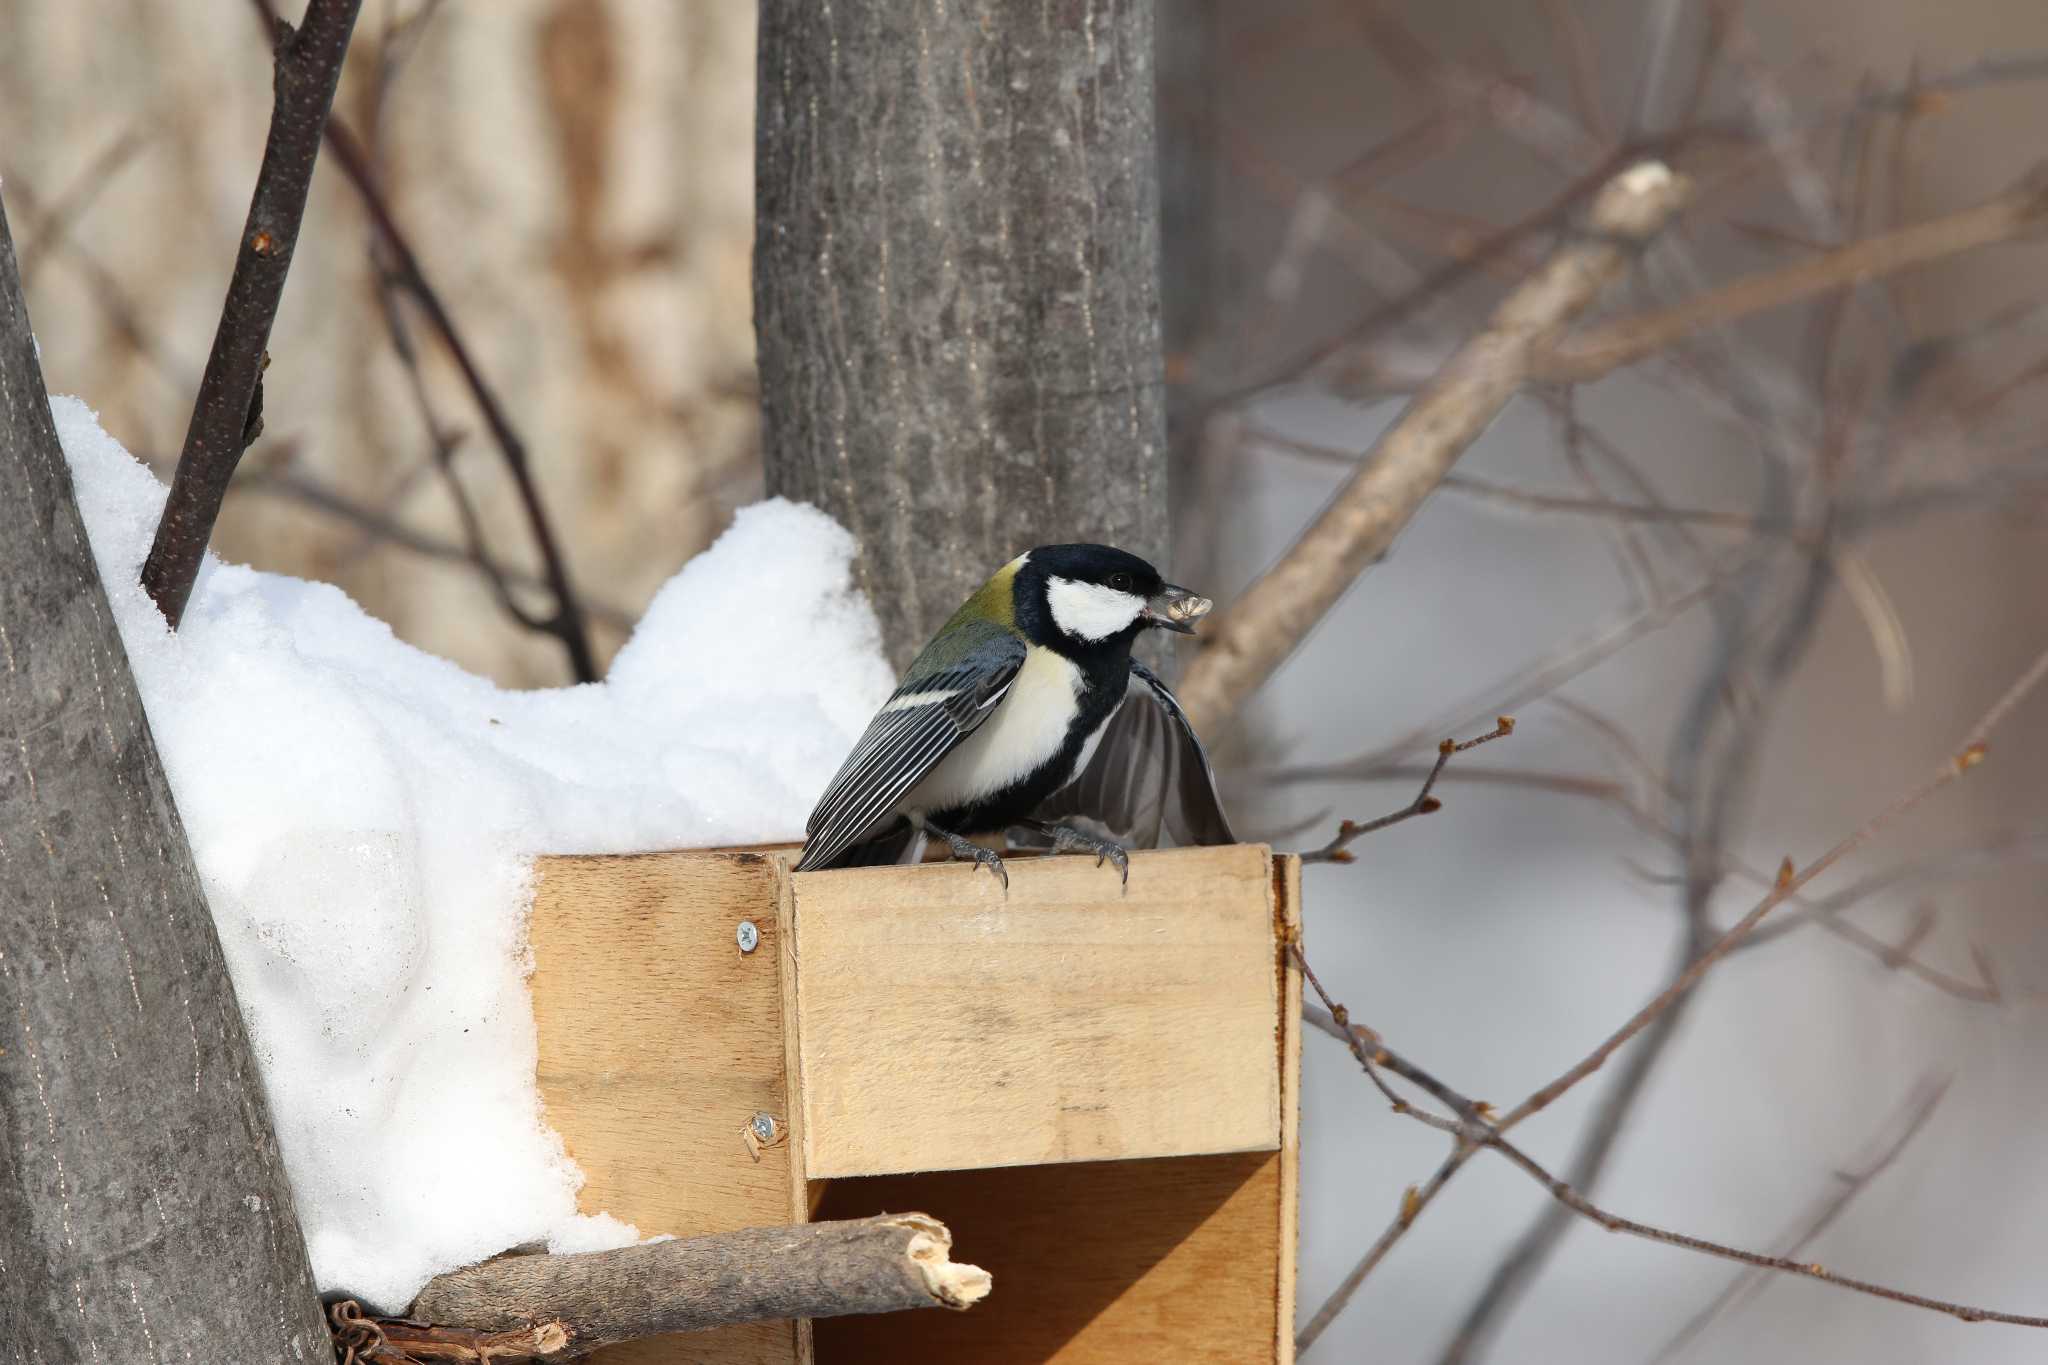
(1287, 930)
(800, 1204)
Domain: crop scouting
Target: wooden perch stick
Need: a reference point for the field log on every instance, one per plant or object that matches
(573, 1304)
(1414, 454)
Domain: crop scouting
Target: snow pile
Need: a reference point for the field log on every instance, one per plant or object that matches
(362, 814)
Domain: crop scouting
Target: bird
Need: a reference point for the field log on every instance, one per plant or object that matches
(1027, 712)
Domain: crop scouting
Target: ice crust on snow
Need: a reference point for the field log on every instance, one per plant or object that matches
(364, 814)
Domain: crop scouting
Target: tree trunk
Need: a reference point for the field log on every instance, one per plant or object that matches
(144, 1214)
(956, 284)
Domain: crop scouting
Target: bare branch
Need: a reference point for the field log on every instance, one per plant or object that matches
(1582, 64)
(1790, 882)
(1338, 850)
(308, 66)
(1608, 347)
(1475, 1127)
(566, 621)
(1911, 1118)
(319, 497)
(1414, 454)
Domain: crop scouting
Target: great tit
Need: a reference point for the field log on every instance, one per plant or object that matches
(1026, 711)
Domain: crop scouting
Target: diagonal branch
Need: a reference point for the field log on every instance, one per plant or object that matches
(226, 414)
(1475, 1125)
(566, 622)
(1338, 850)
(1790, 882)
(1899, 1131)
(1606, 348)
(1413, 455)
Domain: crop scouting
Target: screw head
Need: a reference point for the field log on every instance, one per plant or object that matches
(749, 937)
(764, 1127)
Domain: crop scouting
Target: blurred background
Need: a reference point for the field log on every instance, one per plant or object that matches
(1629, 567)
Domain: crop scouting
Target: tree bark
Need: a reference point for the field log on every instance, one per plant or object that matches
(956, 284)
(144, 1214)
(578, 1303)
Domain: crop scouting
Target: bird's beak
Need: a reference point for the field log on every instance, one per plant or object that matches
(1176, 609)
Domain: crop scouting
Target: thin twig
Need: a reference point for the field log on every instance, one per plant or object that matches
(566, 621)
(107, 291)
(1909, 1121)
(1413, 455)
(1790, 882)
(1605, 348)
(1475, 1127)
(55, 222)
(1338, 850)
(443, 443)
(1480, 1128)
(1807, 911)
(1539, 677)
(1582, 63)
(319, 497)
(308, 67)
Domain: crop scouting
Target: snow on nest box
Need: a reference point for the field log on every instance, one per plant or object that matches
(363, 816)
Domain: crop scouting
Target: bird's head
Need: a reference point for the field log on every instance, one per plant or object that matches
(1087, 597)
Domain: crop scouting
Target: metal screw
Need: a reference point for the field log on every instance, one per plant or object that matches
(764, 1127)
(750, 939)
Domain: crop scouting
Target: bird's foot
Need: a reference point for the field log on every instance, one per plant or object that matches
(964, 847)
(1066, 839)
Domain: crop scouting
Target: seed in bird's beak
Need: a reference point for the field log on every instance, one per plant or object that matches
(1177, 609)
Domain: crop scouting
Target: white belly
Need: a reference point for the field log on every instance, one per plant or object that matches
(1027, 727)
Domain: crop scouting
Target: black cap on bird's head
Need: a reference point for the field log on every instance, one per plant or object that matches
(1091, 596)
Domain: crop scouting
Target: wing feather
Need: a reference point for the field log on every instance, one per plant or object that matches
(905, 741)
(1149, 781)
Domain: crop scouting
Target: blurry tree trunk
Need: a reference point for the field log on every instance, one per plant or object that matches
(956, 284)
(144, 1214)
(1191, 275)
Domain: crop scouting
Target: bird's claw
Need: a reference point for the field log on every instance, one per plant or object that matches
(966, 848)
(1069, 840)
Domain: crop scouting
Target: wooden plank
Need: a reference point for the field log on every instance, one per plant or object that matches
(659, 1040)
(1095, 1263)
(1287, 925)
(801, 1207)
(944, 1023)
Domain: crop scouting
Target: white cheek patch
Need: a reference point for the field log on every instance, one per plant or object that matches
(1089, 611)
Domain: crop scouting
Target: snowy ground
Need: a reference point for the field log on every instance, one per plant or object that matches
(363, 815)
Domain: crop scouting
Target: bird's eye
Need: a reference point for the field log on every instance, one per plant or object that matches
(1120, 581)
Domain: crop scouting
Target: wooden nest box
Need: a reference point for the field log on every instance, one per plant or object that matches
(1094, 1087)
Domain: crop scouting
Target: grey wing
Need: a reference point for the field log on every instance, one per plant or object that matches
(1149, 776)
(916, 728)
